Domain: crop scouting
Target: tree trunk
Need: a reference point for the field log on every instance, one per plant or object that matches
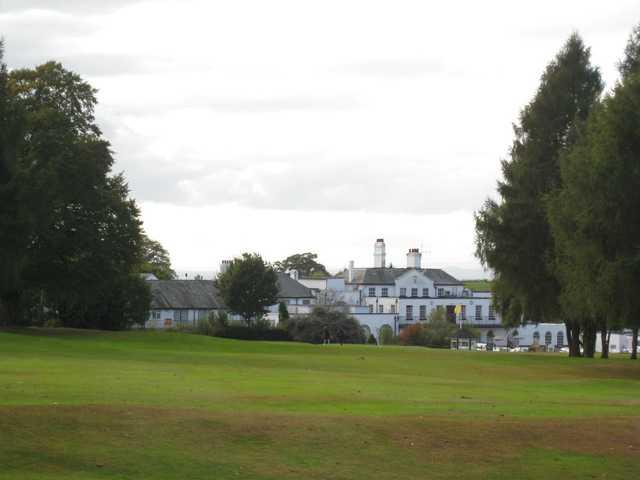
(605, 336)
(11, 309)
(573, 339)
(589, 340)
(634, 343)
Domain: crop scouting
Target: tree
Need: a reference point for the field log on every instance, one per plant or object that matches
(630, 64)
(304, 263)
(79, 232)
(155, 259)
(248, 287)
(15, 221)
(595, 215)
(283, 313)
(513, 236)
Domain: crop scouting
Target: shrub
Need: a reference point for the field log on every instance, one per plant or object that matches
(372, 340)
(326, 324)
(413, 335)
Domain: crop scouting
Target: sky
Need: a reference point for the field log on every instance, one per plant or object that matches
(283, 127)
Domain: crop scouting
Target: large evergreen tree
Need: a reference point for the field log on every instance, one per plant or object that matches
(595, 215)
(513, 236)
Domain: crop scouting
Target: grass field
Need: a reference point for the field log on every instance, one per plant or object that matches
(142, 405)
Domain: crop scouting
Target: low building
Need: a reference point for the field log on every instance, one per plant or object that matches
(176, 303)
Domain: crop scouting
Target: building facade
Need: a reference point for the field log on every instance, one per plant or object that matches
(383, 297)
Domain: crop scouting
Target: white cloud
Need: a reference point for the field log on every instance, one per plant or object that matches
(368, 118)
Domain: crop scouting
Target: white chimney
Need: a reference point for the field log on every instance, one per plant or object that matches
(224, 265)
(414, 258)
(379, 254)
(294, 274)
(350, 271)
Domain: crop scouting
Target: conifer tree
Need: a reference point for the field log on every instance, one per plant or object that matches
(513, 235)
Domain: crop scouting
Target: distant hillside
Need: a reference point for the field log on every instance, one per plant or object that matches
(482, 285)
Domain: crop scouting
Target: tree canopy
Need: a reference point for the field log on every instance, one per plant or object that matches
(248, 286)
(305, 263)
(69, 232)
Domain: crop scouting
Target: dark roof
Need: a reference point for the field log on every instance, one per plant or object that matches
(290, 288)
(192, 294)
(388, 276)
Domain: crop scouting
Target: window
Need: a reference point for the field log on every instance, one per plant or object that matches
(370, 308)
(409, 312)
(478, 313)
(181, 317)
(463, 312)
(423, 312)
(492, 314)
(306, 301)
(414, 292)
(380, 308)
(547, 338)
(372, 292)
(403, 292)
(441, 292)
(392, 308)
(536, 338)
(559, 339)
(385, 292)
(425, 292)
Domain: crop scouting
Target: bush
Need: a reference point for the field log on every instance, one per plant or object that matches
(372, 340)
(413, 335)
(326, 324)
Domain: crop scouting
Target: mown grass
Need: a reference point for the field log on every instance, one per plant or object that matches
(168, 405)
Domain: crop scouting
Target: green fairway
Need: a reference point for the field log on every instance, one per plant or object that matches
(133, 405)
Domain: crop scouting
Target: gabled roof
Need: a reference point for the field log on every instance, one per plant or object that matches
(290, 288)
(388, 276)
(191, 294)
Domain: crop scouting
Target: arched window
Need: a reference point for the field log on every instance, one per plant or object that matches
(536, 338)
(385, 335)
(560, 339)
(547, 338)
(514, 338)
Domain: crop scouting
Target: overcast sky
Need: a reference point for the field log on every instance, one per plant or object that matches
(288, 126)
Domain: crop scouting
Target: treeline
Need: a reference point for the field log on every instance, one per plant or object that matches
(71, 239)
(564, 238)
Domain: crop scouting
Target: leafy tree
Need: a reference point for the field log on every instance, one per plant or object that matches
(513, 236)
(321, 323)
(304, 263)
(372, 340)
(15, 221)
(248, 287)
(78, 235)
(155, 259)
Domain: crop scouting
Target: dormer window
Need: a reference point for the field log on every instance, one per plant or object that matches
(403, 292)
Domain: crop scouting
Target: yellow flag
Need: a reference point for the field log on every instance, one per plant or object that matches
(458, 309)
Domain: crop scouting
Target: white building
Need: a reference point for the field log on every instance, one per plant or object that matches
(387, 297)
